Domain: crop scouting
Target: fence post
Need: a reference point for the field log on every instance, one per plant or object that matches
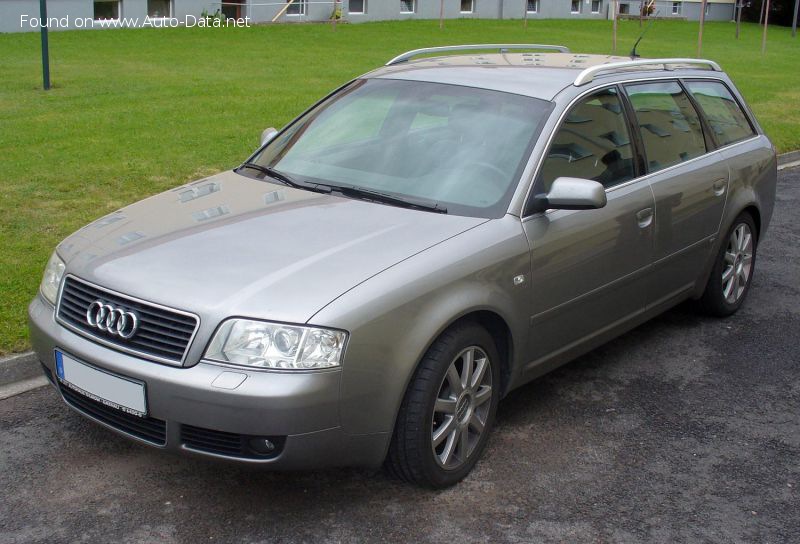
(615, 7)
(335, 13)
(703, 5)
(764, 36)
(45, 45)
(283, 10)
(738, 16)
(525, 13)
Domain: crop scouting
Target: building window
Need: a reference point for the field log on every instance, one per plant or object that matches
(159, 8)
(231, 9)
(467, 6)
(298, 7)
(357, 7)
(597, 5)
(533, 6)
(576, 6)
(106, 9)
(708, 9)
(624, 9)
(408, 6)
(676, 8)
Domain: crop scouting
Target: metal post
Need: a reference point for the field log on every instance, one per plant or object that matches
(764, 36)
(739, 7)
(615, 7)
(441, 14)
(794, 19)
(525, 13)
(45, 46)
(700, 32)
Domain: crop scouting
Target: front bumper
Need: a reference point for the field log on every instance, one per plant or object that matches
(298, 411)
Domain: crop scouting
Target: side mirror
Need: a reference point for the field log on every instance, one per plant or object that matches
(575, 194)
(268, 135)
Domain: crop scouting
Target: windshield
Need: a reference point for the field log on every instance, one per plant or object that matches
(460, 148)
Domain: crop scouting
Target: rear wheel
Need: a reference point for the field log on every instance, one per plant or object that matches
(448, 410)
(733, 269)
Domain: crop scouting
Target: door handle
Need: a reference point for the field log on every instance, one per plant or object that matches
(720, 186)
(644, 217)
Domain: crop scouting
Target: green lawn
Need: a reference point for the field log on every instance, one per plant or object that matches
(134, 112)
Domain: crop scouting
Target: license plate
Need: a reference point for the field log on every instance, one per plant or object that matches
(115, 391)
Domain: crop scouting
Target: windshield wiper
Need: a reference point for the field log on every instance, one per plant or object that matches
(384, 198)
(286, 180)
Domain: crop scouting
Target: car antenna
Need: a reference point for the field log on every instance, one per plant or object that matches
(634, 55)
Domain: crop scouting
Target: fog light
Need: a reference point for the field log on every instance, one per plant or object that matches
(262, 445)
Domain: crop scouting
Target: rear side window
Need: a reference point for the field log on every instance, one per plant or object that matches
(669, 124)
(723, 113)
(592, 143)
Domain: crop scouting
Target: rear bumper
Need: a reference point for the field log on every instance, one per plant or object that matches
(298, 412)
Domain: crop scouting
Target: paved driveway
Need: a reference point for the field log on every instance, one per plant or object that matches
(684, 430)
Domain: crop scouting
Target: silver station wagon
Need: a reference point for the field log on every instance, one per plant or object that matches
(367, 286)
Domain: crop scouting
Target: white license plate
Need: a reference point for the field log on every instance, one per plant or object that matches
(109, 389)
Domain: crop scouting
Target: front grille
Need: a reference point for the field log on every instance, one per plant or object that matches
(229, 444)
(163, 334)
(147, 428)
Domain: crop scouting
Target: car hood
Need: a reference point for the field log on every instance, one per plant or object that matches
(232, 245)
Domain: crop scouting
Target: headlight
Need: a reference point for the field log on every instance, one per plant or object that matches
(275, 345)
(52, 278)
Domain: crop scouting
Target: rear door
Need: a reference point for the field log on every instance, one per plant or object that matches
(589, 266)
(689, 182)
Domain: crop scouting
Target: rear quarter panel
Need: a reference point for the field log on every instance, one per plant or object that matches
(753, 177)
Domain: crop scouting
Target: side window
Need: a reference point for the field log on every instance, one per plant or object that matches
(669, 124)
(592, 143)
(723, 113)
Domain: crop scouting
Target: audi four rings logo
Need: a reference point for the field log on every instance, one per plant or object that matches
(117, 321)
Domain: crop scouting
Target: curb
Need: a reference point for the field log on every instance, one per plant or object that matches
(25, 366)
(16, 368)
(786, 158)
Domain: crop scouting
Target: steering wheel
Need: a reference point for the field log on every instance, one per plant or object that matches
(496, 176)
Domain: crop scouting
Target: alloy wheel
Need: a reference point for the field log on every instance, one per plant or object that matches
(462, 408)
(738, 263)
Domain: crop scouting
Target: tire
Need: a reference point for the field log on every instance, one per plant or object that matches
(724, 295)
(412, 455)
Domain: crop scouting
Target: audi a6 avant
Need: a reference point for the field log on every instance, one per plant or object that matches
(367, 286)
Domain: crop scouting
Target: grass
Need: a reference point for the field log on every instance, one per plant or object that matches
(136, 111)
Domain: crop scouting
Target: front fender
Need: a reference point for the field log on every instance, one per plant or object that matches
(395, 316)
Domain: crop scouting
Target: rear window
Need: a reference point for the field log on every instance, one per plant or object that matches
(723, 113)
(669, 124)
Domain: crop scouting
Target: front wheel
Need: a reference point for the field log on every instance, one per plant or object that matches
(448, 410)
(733, 269)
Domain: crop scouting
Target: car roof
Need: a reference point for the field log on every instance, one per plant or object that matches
(538, 75)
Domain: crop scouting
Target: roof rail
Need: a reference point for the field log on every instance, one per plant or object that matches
(587, 75)
(448, 48)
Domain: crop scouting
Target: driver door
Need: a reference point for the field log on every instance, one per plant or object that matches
(589, 266)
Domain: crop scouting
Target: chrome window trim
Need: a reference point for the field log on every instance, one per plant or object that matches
(118, 347)
(674, 77)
